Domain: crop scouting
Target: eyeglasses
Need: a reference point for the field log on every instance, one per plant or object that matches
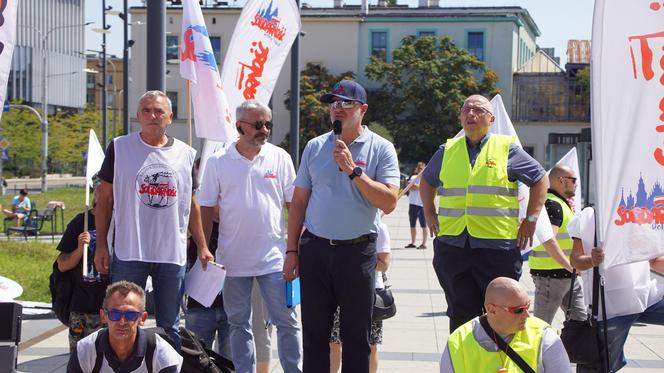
(156, 112)
(258, 125)
(116, 315)
(345, 104)
(570, 178)
(516, 310)
(476, 109)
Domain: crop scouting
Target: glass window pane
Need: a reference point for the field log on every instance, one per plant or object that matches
(426, 33)
(379, 45)
(216, 48)
(174, 101)
(476, 44)
(172, 49)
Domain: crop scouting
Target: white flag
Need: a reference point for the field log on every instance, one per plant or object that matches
(7, 41)
(503, 126)
(212, 115)
(95, 157)
(260, 44)
(628, 128)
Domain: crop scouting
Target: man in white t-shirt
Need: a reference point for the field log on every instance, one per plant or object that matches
(631, 294)
(147, 185)
(251, 183)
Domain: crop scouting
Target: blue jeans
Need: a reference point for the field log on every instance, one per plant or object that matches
(237, 303)
(618, 331)
(168, 284)
(205, 323)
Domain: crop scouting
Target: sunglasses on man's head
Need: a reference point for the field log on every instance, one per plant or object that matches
(516, 310)
(116, 315)
(258, 125)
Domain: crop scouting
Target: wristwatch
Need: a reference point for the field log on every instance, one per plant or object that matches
(532, 218)
(357, 171)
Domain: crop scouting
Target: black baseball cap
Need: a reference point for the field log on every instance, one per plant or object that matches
(346, 90)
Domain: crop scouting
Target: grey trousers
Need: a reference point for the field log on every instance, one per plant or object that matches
(551, 293)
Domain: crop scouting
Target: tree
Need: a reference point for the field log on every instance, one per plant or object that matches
(423, 89)
(67, 141)
(315, 81)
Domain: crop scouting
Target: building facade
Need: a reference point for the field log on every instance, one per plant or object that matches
(344, 37)
(54, 28)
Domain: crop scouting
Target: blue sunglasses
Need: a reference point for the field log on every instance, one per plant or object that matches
(116, 315)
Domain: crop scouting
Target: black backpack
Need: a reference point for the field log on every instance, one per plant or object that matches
(61, 285)
(196, 357)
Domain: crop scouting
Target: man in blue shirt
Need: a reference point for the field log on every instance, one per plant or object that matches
(342, 182)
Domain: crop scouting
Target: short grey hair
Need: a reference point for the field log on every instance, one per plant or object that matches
(155, 94)
(252, 106)
(124, 288)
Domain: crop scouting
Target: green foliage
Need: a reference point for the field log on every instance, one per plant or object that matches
(315, 81)
(423, 89)
(583, 85)
(29, 264)
(67, 140)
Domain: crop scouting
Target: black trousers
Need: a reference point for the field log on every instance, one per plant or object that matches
(330, 276)
(464, 274)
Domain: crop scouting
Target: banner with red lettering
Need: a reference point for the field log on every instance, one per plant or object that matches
(628, 128)
(212, 116)
(7, 41)
(260, 44)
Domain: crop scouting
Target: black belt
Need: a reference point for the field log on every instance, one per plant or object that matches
(551, 273)
(371, 237)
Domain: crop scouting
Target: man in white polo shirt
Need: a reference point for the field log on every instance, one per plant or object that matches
(251, 183)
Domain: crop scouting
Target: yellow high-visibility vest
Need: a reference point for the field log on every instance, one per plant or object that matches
(539, 258)
(480, 199)
(467, 355)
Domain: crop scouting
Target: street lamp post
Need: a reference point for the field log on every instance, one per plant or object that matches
(44, 116)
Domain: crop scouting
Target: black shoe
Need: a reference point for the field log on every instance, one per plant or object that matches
(422, 247)
(410, 246)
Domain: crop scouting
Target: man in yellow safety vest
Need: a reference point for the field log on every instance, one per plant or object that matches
(477, 221)
(550, 267)
(473, 347)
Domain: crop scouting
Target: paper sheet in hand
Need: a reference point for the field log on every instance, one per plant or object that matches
(204, 286)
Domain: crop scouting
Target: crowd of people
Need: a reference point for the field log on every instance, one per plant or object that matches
(153, 218)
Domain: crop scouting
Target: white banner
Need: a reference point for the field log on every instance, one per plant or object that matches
(628, 128)
(503, 126)
(7, 41)
(212, 115)
(259, 46)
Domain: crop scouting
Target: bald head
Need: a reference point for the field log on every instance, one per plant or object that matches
(562, 179)
(503, 289)
(479, 100)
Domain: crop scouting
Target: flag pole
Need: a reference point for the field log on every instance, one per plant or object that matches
(189, 109)
(85, 227)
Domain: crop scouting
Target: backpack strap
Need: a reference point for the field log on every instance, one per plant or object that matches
(151, 347)
(503, 346)
(100, 354)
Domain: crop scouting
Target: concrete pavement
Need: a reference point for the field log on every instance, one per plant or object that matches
(413, 340)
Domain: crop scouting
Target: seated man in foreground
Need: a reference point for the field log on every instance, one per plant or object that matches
(473, 348)
(123, 346)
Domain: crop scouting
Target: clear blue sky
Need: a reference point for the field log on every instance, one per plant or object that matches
(558, 21)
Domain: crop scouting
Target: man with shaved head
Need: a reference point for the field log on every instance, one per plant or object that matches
(477, 220)
(550, 268)
(473, 347)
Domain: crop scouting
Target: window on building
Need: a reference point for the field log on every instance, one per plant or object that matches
(91, 79)
(173, 96)
(216, 48)
(172, 49)
(379, 44)
(421, 34)
(476, 44)
(530, 149)
(109, 79)
(90, 98)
